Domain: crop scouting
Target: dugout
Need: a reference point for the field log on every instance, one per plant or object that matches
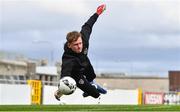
(174, 81)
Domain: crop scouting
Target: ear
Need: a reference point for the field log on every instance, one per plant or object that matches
(69, 45)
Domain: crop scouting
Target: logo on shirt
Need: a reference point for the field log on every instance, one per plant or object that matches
(81, 81)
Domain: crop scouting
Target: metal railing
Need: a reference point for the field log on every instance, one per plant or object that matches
(13, 81)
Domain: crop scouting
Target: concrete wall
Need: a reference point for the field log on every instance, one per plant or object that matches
(21, 95)
(129, 97)
(147, 84)
(15, 94)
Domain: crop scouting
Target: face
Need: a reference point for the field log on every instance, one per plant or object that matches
(76, 46)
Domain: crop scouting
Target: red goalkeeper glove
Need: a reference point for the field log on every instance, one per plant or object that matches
(100, 9)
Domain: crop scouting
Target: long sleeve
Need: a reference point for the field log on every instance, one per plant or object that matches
(87, 27)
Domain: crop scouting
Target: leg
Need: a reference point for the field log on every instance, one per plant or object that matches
(88, 89)
(99, 88)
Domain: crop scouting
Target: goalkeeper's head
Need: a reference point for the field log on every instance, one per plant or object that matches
(74, 41)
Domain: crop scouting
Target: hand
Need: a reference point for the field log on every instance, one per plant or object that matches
(101, 9)
(58, 95)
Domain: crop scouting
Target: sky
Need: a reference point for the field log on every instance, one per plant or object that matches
(136, 37)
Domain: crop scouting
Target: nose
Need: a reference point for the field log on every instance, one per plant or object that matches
(79, 45)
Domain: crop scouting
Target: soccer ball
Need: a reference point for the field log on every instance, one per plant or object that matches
(67, 85)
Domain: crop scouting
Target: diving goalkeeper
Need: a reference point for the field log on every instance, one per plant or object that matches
(75, 61)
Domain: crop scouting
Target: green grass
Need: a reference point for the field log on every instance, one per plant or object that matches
(90, 108)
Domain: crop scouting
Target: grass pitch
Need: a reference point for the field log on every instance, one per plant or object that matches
(89, 108)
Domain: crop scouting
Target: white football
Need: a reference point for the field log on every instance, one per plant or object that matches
(67, 85)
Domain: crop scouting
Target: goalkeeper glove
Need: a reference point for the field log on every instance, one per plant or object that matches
(101, 9)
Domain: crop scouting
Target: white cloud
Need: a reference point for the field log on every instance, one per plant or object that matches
(162, 41)
(131, 30)
(74, 7)
(145, 16)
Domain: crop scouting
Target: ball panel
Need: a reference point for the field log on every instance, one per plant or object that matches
(67, 85)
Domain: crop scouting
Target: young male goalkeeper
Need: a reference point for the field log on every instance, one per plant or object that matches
(75, 61)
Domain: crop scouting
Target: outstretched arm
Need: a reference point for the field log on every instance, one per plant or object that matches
(87, 27)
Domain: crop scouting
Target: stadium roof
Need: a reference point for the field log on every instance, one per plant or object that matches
(13, 62)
